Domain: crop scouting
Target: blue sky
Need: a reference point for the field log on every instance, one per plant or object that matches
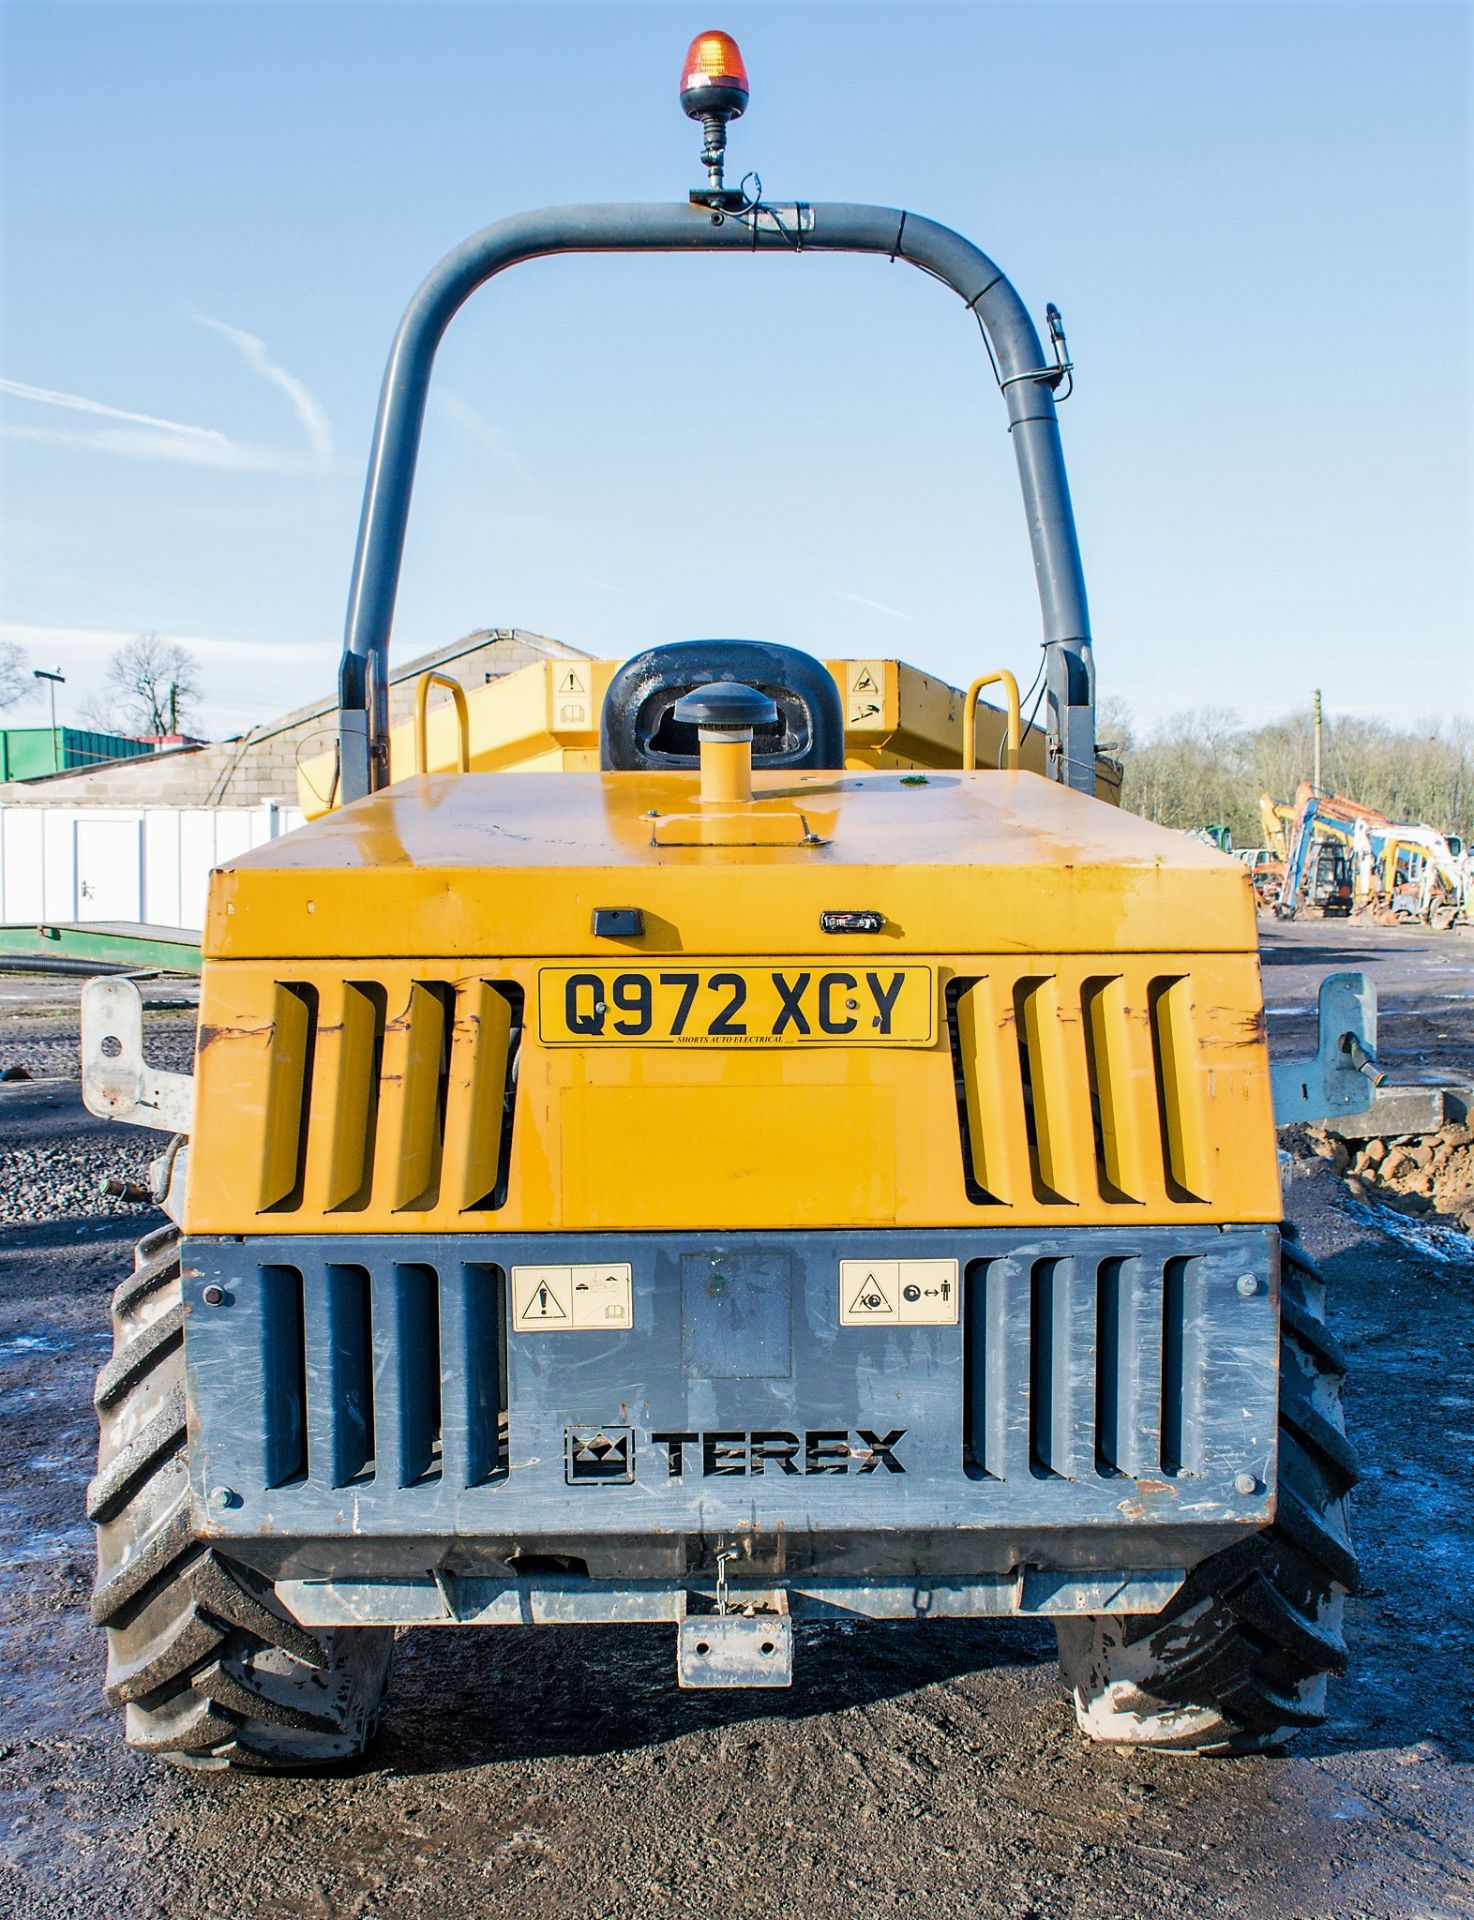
(1254, 218)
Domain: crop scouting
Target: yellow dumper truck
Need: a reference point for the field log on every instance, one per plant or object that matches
(725, 1139)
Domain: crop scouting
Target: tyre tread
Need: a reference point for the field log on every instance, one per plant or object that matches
(157, 1440)
(145, 1351)
(1238, 1661)
(209, 1670)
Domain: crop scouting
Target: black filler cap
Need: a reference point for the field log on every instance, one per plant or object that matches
(726, 706)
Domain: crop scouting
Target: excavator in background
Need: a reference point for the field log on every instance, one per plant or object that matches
(1266, 864)
(1343, 858)
(1277, 816)
(1419, 874)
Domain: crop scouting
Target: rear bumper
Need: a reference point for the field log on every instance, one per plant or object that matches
(367, 1423)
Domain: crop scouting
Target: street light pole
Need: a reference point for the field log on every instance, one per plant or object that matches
(56, 679)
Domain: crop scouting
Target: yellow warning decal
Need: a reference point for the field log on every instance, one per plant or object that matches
(571, 1299)
(571, 698)
(898, 1293)
(865, 694)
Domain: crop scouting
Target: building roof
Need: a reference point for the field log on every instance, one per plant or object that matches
(219, 764)
(441, 658)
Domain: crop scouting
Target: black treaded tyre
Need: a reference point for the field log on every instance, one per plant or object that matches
(210, 1671)
(1240, 1659)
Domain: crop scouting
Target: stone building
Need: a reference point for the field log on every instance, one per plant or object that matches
(262, 765)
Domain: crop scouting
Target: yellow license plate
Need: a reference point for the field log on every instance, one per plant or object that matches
(799, 1004)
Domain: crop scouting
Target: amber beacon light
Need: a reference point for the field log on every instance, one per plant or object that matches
(714, 91)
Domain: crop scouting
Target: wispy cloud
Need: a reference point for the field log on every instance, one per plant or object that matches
(305, 404)
(183, 449)
(147, 436)
(76, 403)
(144, 436)
(875, 606)
(496, 440)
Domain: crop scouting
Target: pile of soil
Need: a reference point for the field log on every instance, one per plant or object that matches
(1429, 1174)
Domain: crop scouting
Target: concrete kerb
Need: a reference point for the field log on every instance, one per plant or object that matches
(1398, 1112)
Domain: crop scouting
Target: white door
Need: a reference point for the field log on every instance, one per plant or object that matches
(110, 869)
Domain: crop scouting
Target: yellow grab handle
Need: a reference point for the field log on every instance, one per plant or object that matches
(422, 729)
(970, 716)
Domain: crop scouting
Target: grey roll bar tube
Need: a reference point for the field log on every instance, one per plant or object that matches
(363, 686)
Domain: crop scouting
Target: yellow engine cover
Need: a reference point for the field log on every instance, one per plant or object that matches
(409, 1024)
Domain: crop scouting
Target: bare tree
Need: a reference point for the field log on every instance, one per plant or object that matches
(1115, 724)
(15, 681)
(1202, 767)
(152, 686)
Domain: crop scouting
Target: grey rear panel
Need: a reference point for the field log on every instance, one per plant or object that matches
(1103, 1401)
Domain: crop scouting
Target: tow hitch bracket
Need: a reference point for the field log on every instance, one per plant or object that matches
(117, 1082)
(1344, 1074)
(750, 1648)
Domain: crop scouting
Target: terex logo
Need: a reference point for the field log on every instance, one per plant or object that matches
(819, 1450)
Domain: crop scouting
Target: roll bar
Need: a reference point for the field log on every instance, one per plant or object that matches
(363, 683)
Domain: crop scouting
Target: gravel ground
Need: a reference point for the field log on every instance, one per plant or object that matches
(56, 1156)
(57, 1182)
(43, 1040)
(928, 1771)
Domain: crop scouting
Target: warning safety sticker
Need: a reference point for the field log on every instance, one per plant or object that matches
(865, 695)
(898, 1293)
(571, 698)
(571, 1299)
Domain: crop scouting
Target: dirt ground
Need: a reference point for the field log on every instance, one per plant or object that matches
(929, 1771)
(1424, 982)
